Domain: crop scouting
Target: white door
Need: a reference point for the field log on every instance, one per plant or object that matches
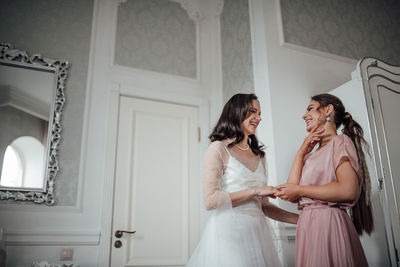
(156, 184)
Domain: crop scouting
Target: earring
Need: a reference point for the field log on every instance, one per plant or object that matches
(328, 118)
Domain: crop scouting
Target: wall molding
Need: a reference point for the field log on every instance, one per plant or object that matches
(208, 80)
(109, 171)
(262, 87)
(86, 111)
(197, 10)
(303, 49)
(40, 238)
(318, 53)
(152, 79)
(14, 207)
(193, 11)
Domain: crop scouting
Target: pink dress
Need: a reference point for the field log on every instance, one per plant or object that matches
(326, 236)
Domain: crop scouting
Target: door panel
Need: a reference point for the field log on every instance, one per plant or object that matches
(156, 169)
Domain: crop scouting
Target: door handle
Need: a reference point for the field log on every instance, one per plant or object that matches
(119, 233)
(380, 183)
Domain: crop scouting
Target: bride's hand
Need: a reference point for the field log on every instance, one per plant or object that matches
(265, 191)
(311, 140)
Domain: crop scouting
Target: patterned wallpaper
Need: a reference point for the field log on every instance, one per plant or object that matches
(156, 35)
(57, 29)
(237, 66)
(353, 29)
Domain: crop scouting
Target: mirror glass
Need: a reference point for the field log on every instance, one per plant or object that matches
(31, 101)
(26, 96)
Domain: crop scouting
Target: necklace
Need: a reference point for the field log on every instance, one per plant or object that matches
(243, 149)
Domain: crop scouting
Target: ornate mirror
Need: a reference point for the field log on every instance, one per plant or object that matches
(31, 103)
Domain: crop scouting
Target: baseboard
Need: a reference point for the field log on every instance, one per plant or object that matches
(51, 238)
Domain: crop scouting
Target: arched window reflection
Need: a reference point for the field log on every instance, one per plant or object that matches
(11, 174)
(23, 163)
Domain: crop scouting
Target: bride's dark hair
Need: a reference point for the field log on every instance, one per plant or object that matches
(229, 125)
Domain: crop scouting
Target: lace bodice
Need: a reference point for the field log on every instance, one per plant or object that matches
(225, 172)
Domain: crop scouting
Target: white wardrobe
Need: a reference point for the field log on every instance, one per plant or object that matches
(372, 96)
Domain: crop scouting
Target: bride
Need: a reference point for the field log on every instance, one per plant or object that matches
(235, 192)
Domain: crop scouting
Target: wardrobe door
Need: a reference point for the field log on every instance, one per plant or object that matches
(385, 95)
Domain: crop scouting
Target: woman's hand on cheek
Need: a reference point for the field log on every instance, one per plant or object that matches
(311, 140)
(288, 192)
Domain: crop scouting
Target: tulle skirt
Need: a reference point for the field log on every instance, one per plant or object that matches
(237, 237)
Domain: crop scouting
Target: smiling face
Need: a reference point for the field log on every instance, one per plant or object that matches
(314, 115)
(249, 125)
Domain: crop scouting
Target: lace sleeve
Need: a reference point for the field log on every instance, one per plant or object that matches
(213, 196)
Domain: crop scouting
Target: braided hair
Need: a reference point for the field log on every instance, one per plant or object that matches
(361, 212)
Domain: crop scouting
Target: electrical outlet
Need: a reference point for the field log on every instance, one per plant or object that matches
(66, 254)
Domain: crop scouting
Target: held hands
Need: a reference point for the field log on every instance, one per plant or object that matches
(289, 192)
(262, 191)
(311, 140)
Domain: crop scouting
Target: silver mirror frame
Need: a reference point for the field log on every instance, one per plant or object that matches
(7, 53)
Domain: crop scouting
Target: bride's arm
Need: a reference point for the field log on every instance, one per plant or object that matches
(278, 214)
(272, 211)
(244, 195)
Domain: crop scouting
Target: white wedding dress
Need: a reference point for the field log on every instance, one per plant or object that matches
(233, 236)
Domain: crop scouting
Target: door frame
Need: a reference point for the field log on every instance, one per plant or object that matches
(202, 106)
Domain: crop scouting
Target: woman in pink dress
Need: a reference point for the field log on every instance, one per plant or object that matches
(326, 183)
